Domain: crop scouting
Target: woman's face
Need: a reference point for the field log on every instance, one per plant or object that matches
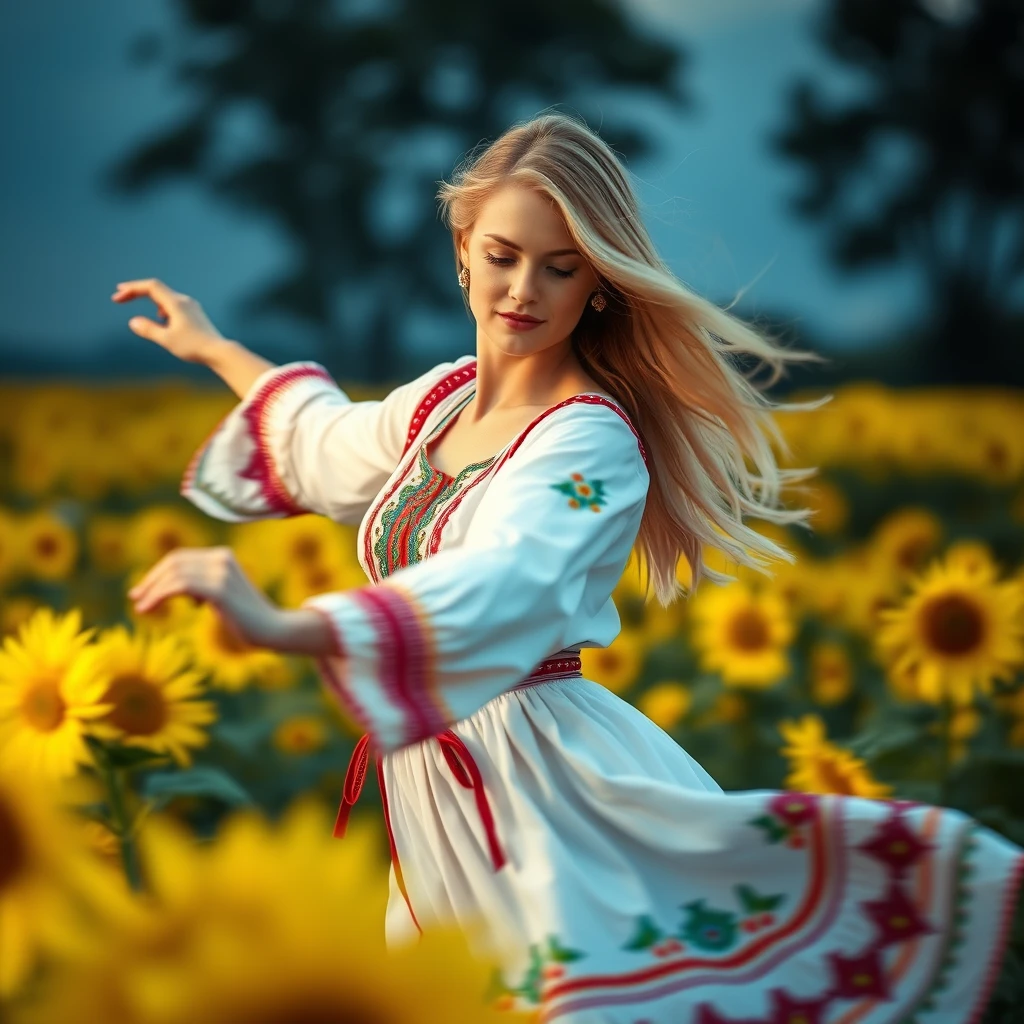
(521, 259)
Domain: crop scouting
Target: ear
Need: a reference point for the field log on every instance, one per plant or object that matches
(464, 250)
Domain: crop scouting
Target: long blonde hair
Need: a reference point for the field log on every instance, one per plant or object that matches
(664, 353)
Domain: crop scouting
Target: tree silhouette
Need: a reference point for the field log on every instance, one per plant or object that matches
(944, 80)
(369, 102)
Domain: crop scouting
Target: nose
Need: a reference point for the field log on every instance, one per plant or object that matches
(523, 288)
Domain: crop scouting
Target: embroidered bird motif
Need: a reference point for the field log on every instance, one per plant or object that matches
(583, 493)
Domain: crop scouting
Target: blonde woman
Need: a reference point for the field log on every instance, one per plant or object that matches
(498, 498)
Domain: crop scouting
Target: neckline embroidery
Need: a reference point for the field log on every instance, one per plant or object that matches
(435, 435)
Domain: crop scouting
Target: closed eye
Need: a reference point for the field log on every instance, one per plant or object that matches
(504, 261)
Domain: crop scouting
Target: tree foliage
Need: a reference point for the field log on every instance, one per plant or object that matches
(943, 89)
(363, 106)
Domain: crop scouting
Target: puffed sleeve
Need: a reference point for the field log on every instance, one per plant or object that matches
(297, 443)
(549, 540)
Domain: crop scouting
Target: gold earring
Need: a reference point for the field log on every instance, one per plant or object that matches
(464, 277)
(598, 301)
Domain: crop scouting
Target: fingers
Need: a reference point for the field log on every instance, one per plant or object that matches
(155, 289)
(198, 572)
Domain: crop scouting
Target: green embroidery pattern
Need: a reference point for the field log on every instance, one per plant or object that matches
(403, 524)
(583, 493)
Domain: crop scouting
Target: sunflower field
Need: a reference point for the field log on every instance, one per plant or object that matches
(167, 791)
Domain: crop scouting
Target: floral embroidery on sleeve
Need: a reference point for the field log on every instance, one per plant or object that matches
(583, 493)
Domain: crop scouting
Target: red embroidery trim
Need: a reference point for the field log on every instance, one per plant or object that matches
(813, 898)
(438, 393)
(403, 656)
(1003, 935)
(257, 416)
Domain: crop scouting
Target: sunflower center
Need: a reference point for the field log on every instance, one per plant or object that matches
(912, 552)
(306, 549)
(318, 578)
(953, 625)
(139, 707)
(228, 640)
(308, 1009)
(748, 630)
(832, 778)
(43, 706)
(12, 847)
(46, 545)
(167, 540)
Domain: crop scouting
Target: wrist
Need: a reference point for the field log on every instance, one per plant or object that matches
(302, 631)
(217, 352)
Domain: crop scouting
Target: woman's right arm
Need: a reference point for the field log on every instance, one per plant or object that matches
(188, 334)
(236, 365)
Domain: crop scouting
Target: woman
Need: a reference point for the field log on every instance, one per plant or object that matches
(498, 499)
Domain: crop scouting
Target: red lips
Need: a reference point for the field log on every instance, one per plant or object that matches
(522, 317)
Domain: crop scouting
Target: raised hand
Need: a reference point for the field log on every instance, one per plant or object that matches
(186, 331)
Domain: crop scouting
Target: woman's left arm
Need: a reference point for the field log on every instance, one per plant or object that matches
(213, 575)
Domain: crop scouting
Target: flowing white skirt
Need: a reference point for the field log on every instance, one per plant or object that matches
(616, 882)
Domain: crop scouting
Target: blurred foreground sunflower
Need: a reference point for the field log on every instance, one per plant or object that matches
(956, 632)
(47, 880)
(47, 696)
(151, 692)
(819, 766)
(268, 924)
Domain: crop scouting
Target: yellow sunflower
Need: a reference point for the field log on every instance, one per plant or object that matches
(956, 632)
(819, 766)
(188, 956)
(300, 734)
(831, 675)
(665, 703)
(301, 580)
(742, 633)
(159, 529)
(46, 699)
(10, 553)
(49, 546)
(151, 693)
(45, 875)
(975, 557)
(229, 661)
(907, 538)
(15, 612)
(617, 666)
(107, 541)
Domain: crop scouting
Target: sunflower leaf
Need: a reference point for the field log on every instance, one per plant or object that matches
(203, 781)
(884, 739)
(133, 757)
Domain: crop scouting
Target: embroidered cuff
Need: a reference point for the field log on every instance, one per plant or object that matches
(238, 474)
(384, 679)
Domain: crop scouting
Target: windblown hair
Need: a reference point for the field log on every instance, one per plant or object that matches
(662, 351)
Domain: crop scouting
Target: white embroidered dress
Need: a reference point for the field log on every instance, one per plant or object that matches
(618, 883)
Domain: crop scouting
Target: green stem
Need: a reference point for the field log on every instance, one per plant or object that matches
(114, 778)
(945, 724)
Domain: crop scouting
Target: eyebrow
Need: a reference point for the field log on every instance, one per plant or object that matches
(519, 248)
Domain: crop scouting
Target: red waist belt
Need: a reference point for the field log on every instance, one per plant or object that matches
(459, 759)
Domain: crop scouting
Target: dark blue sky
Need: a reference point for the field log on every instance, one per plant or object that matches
(714, 196)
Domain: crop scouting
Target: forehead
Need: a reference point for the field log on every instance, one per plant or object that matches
(525, 216)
